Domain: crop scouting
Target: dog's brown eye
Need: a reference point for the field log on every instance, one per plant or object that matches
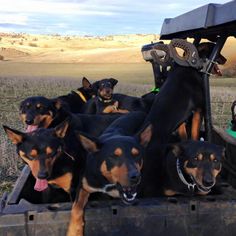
(135, 151)
(118, 152)
(39, 107)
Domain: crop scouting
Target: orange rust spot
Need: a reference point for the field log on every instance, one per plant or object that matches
(33, 153)
(118, 152)
(134, 151)
(48, 150)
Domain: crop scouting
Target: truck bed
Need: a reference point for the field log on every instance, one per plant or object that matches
(24, 214)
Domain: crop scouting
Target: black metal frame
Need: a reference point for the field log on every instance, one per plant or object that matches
(215, 22)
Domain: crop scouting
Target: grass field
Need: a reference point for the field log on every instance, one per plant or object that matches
(132, 72)
(20, 80)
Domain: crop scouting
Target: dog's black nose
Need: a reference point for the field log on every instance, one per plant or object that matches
(42, 174)
(134, 177)
(29, 121)
(208, 182)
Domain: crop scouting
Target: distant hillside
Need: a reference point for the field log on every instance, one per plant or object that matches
(73, 49)
(87, 49)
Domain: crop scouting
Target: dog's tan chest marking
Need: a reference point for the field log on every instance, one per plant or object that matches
(113, 192)
(63, 181)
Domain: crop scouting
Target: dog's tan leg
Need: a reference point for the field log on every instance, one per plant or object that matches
(169, 192)
(182, 132)
(76, 225)
(123, 111)
(196, 124)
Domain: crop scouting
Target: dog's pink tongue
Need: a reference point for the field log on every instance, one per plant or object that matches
(31, 128)
(41, 185)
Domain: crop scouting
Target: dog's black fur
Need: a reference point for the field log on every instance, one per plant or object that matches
(122, 103)
(53, 155)
(73, 153)
(104, 97)
(76, 99)
(40, 112)
(113, 164)
(181, 94)
(198, 162)
(52, 112)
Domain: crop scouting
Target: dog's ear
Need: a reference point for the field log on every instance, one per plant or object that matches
(85, 83)
(176, 149)
(95, 86)
(145, 135)
(89, 144)
(57, 103)
(61, 129)
(113, 81)
(21, 105)
(223, 152)
(14, 135)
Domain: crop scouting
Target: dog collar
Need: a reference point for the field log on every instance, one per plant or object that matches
(108, 187)
(72, 158)
(81, 96)
(104, 100)
(191, 186)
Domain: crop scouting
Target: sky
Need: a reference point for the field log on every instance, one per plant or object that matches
(91, 17)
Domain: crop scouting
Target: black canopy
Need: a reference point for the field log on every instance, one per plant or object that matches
(207, 22)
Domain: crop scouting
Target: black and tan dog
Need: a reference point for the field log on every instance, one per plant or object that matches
(233, 111)
(76, 99)
(40, 112)
(104, 102)
(180, 96)
(191, 167)
(54, 155)
(109, 102)
(113, 165)
(191, 127)
(50, 156)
